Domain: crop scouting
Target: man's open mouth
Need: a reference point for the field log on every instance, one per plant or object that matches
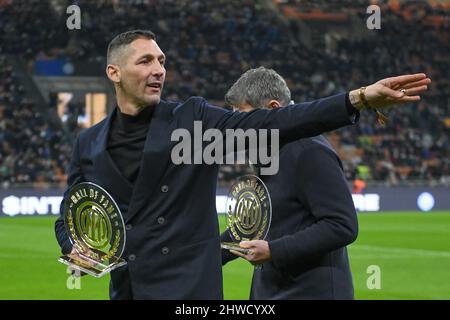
(155, 85)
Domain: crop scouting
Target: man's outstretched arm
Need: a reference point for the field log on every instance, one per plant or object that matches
(315, 117)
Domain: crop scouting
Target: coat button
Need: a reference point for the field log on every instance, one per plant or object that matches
(165, 250)
(128, 227)
(164, 188)
(132, 257)
(161, 220)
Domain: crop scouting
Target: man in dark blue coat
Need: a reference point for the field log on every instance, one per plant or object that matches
(172, 247)
(313, 219)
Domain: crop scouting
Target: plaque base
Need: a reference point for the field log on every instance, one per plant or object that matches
(91, 266)
(233, 246)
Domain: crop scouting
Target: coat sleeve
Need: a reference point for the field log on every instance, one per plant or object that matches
(293, 121)
(75, 176)
(322, 188)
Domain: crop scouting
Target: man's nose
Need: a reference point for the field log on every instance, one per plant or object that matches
(158, 71)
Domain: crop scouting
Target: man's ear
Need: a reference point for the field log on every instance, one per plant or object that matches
(113, 73)
(273, 104)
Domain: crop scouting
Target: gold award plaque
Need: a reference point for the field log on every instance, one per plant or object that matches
(96, 229)
(249, 212)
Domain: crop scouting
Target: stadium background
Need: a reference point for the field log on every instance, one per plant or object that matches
(52, 85)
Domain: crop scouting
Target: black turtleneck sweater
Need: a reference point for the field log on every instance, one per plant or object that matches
(126, 141)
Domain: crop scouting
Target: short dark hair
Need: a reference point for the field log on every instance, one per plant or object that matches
(124, 39)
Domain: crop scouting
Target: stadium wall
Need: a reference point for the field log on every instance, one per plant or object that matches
(25, 202)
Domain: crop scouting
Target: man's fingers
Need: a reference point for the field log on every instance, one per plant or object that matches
(245, 244)
(423, 82)
(409, 99)
(407, 78)
(415, 90)
(399, 95)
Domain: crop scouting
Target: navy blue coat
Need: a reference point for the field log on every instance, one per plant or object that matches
(313, 219)
(173, 242)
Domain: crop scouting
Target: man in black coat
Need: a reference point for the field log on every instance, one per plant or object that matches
(172, 245)
(313, 216)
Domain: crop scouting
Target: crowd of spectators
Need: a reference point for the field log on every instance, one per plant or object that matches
(32, 152)
(208, 45)
(358, 6)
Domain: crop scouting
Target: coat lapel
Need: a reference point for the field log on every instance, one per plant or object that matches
(108, 173)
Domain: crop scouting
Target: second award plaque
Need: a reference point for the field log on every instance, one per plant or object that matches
(249, 212)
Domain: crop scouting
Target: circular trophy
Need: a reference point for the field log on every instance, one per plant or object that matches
(96, 229)
(249, 212)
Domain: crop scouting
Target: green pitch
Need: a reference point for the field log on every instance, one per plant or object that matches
(411, 249)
